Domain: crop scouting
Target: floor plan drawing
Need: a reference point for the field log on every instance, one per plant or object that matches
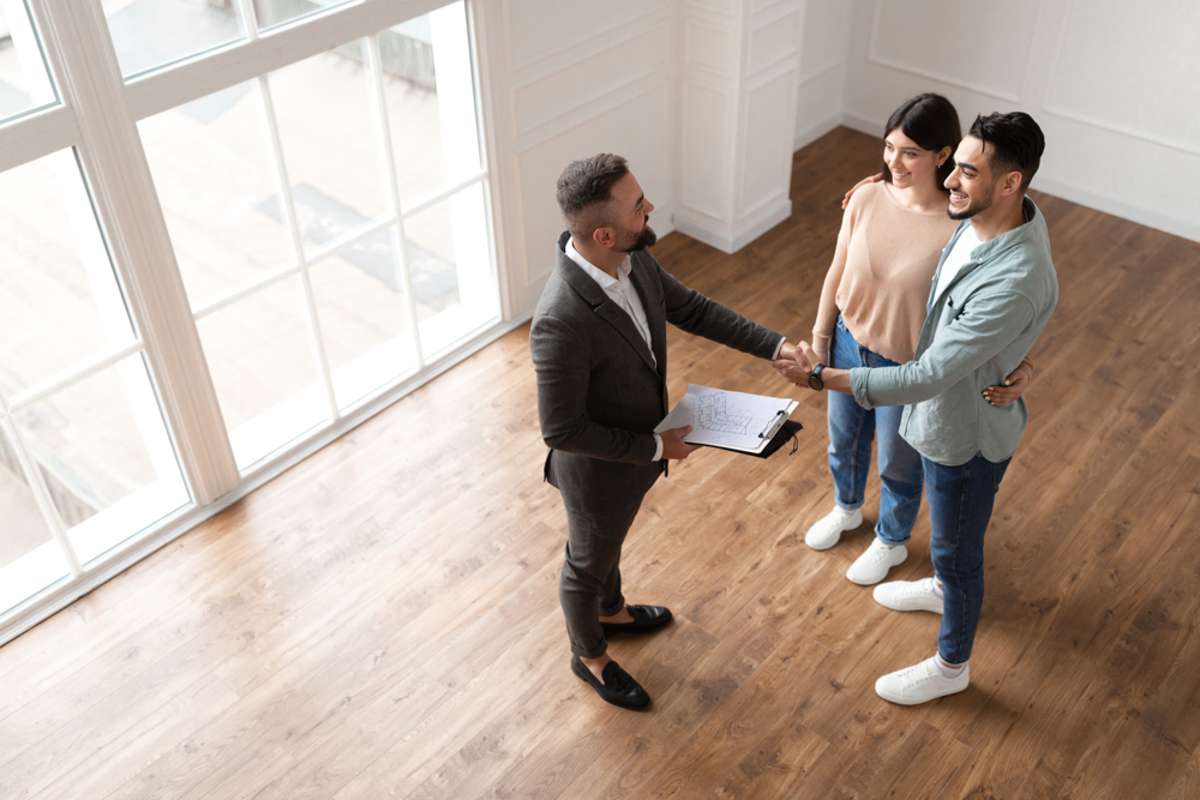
(714, 413)
(732, 420)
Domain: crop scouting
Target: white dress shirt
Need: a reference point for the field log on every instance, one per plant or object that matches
(622, 292)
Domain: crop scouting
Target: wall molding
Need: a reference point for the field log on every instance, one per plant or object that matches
(601, 35)
(1123, 130)
(813, 132)
(590, 47)
(579, 104)
(581, 114)
(1059, 110)
(819, 72)
(873, 57)
(729, 239)
(772, 13)
(789, 64)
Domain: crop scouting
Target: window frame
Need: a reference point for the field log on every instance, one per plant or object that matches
(97, 115)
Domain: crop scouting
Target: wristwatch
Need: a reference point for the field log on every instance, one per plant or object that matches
(814, 378)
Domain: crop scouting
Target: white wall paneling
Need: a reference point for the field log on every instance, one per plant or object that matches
(709, 97)
(824, 43)
(740, 63)
(1112, 84)
(565, 82)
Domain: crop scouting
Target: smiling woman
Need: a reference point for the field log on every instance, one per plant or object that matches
(254, 224)
(871, 309)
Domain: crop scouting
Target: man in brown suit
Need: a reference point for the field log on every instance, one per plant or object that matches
(599, 348)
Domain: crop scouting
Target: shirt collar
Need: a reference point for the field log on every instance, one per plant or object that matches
(601, 277)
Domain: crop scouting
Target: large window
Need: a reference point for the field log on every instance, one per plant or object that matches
(255, 223)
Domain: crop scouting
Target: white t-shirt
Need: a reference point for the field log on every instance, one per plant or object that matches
(958, 258)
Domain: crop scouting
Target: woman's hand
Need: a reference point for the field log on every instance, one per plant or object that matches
(1013, 387)
(876, 178)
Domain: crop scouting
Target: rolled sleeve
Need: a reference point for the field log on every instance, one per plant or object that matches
(860, 378)
(985, 328)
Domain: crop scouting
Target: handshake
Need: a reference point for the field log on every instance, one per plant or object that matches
(797, 361)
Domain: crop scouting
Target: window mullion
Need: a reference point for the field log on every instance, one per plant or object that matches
(399, 245)
(293, 223)
(80, 53)
(41, 494)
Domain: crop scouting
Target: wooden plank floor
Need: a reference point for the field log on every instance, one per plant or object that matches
(382, 620)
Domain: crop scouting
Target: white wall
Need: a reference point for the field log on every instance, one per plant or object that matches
(1114, 85)
(739, 65)
(824, 53)
(564, 79)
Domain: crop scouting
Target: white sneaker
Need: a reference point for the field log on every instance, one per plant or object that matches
(909, 596)
(921, 683)
(873, 565)
(826, 531)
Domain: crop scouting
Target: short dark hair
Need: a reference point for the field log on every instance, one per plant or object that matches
(931, 121)
(585, 184)
(1017, 142)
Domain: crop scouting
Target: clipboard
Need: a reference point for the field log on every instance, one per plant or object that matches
(740, 422)
(786, 432)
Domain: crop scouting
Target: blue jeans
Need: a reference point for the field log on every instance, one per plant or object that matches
(960, 505)
(851, 429)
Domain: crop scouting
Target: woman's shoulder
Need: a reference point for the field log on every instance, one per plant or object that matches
(866, 196)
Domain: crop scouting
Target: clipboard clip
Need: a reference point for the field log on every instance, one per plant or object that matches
(773, 426)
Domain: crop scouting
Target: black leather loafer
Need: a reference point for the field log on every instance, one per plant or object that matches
(645, 620)
(618, 686)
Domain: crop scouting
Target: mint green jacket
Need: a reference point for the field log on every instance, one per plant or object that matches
(974, 335)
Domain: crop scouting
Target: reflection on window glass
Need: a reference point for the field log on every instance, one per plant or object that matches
(24, 81)
(363, 307)
(217, 180)
(334, 159)
(277, 12)
(267, 379)
(430, 94)
(60, 303)
(450, 264)
(30, 560)
(149, 33)
(104, 454)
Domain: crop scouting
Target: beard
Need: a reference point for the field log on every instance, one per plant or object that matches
(974, 206)
(640, 241)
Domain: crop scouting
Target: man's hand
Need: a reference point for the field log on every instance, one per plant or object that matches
(1013, 387)
(674, 446)
(796, 369)
(876, 178)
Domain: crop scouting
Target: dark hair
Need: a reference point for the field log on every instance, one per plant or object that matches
(586, 183)
(1017, 142)
(931, 121)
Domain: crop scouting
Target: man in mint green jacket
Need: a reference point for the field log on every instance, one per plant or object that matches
(992, 295)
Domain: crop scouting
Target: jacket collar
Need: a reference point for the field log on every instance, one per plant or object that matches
(591, 293)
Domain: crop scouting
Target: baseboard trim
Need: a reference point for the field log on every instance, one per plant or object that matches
(722, 236)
